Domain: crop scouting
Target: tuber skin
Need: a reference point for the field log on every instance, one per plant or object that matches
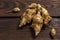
(46, 16)
(14, 10)
(37, 23)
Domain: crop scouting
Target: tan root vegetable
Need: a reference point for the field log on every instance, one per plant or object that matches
(46, 16)
(37, 14)
(33, 5)
(27, 15)
(53, 32)
(16, 9)
(37, 23)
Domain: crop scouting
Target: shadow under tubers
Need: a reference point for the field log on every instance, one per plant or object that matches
(39, 16)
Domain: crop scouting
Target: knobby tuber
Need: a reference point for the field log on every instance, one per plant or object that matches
(39, 16)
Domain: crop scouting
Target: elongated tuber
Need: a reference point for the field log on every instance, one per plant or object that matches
(27, 15)
(46, 16)
(37, 22)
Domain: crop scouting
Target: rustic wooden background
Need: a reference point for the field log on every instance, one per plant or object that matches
(9, 21)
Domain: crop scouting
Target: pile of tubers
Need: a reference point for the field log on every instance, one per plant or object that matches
(39, 16)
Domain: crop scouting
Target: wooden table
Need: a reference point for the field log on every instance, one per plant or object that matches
(9, 21)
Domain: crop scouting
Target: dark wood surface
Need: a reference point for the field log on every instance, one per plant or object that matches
(53, 6)
(9, 21)
(9, 30)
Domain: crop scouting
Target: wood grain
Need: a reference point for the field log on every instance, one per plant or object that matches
(9, 21)
(9, 30)
(53, 6)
